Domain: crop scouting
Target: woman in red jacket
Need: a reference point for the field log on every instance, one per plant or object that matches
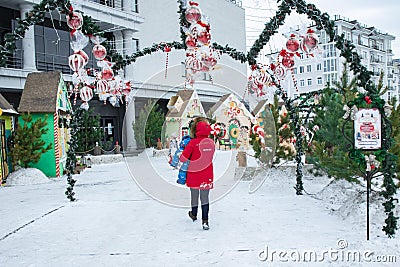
(200, 175)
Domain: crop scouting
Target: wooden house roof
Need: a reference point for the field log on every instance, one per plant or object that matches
(40, 92)
(6, 107)
(214, 108)
(260, 106)
(185, 95)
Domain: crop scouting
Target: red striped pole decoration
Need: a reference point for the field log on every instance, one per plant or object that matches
(56, 146)
(294, 79)
(76, 90)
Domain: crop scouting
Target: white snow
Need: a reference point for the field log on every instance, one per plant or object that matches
(27, 176)
(114, 223)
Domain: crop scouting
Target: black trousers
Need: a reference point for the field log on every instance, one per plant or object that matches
(205, 206)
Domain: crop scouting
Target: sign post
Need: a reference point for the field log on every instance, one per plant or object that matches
(367, 136)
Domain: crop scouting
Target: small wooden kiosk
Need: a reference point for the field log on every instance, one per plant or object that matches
(45, 96)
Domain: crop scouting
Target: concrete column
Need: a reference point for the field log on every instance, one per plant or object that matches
(28, 42)
(128, 50)
(130, 114)
(127, 5)
(129, 137)
(119, 38)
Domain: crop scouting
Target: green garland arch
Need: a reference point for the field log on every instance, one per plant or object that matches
(322, 21)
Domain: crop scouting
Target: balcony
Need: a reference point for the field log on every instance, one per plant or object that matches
(113, 12)
(16, 60)
(376, 60)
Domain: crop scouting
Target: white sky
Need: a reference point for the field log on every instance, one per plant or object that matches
(383, 15)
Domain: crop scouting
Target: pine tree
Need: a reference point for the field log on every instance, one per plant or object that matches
(28, 145)
(89, 131)
(285, 149)
(330, 152)
(148, 126)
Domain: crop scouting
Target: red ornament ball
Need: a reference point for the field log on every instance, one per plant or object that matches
(311, 40)
(288, 62)
(75, 20)
(190, 42)
(193, 14)
(99, 52)
(293, 44)
(107, 74)
(204, 37)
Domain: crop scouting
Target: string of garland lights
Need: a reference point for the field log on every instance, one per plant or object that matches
(322, 22)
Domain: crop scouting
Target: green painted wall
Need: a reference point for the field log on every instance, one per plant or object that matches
(47, 163)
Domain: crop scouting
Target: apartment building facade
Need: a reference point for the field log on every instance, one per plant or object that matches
(326, 66)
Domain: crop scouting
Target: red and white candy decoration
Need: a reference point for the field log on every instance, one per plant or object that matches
(215, 129)
(200, 57)
(78, 60)
(86, 94)
(260, 132)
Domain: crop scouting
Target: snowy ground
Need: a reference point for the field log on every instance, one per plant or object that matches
(114, 223)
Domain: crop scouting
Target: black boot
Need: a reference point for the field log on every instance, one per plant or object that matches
(194, 218)
(205, 225)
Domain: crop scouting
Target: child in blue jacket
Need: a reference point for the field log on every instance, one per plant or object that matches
(175, 160)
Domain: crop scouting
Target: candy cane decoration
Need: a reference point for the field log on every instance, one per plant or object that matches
(167, 49)
(76, 91)
(56, 146)
(294, 79)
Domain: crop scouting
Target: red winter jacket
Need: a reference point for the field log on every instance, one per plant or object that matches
(200, 152)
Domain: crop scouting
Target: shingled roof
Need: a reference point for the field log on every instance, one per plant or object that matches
(40, 92)
(6, 107)
(214, 108)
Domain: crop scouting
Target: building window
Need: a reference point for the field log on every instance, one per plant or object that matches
(364, 54)
(206, 77)
(135, 6)
(330, 65)
(308, 68)
(302, 83)
(309, 82)
(319, 80)
(319, 66)
(109, 3)
(301, 55)
(110, 40)
(301, 70)
(294, 70)
(135, 45)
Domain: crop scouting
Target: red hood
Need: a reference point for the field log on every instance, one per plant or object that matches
(203, 129)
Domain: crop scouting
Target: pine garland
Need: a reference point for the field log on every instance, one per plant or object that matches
(71, 156)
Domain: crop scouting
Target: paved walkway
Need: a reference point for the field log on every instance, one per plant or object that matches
(114, 223)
